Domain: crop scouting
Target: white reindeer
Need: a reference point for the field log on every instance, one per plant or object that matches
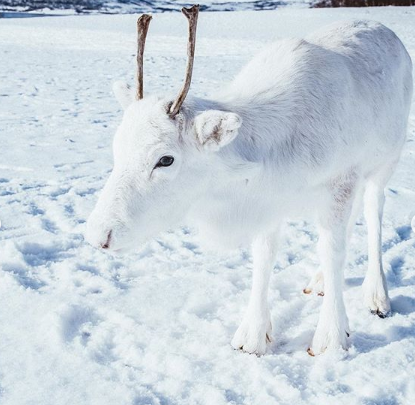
(308, 125)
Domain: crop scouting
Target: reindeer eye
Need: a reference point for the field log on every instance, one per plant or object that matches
(165, 161)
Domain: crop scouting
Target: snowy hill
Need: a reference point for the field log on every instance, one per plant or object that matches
(81, 327)
(132, 6)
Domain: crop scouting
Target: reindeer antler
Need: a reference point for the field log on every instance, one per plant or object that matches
(142, 27)
(191, 14)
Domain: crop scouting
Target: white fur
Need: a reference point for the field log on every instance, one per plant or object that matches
(307, 126)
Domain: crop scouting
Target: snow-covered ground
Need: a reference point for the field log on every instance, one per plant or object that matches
(80, 327)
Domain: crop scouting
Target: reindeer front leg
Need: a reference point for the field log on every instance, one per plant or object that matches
(333, 327)
(254, 332)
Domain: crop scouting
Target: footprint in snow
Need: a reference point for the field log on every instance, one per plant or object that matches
(76, 323)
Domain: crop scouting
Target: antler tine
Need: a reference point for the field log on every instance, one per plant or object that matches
(142, 27)
(191, 14)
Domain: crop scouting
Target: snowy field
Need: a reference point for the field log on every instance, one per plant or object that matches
(80, 327)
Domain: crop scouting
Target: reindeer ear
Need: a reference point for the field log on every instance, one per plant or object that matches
(215, 129)
(123, 93)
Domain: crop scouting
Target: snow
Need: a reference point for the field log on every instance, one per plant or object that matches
(78, 326)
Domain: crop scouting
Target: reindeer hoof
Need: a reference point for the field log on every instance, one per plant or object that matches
(380, 314)
(310, 352)
(252, 338)
(315, 285)
(309, 291)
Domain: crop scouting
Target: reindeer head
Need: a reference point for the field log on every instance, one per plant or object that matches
(164, 153)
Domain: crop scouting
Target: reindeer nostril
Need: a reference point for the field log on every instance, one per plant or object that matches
(106, 245)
